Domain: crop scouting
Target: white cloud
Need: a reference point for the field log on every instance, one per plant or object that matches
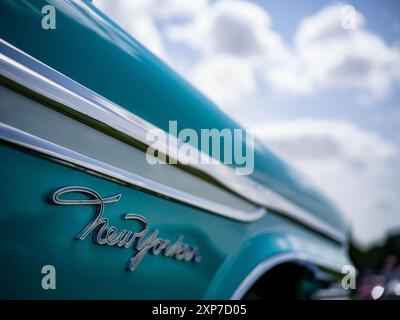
(226, 80)
(136, 18)
(314, 140)
(140, 17)
(330, 56)
(323, 55)
(236, 28)
(158, 9)
(357, 169)
(235, 41)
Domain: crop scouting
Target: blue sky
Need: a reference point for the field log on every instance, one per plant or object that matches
(323, 96)
(383, 18)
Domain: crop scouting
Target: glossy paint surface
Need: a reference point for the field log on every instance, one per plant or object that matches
(108, 61)
(35, 232)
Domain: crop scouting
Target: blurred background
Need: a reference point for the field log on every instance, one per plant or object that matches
(317, 81)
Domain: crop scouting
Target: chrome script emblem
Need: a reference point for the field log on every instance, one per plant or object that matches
(105, 234)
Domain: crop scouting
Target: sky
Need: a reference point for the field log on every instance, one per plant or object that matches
(317, 81)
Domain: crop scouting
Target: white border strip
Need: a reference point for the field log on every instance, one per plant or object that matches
(54, 151)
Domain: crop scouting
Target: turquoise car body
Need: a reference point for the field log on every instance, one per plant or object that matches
(93, 51)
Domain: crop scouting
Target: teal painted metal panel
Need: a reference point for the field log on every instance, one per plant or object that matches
(108, 61)
(36, 233)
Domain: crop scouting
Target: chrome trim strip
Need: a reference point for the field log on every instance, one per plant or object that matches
(54, 151)
(38, 77)
(272, 262)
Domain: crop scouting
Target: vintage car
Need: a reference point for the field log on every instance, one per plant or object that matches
(77, 102)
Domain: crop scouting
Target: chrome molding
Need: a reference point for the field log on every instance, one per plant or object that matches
(272, 262)
(75, 159)
(30, 73)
